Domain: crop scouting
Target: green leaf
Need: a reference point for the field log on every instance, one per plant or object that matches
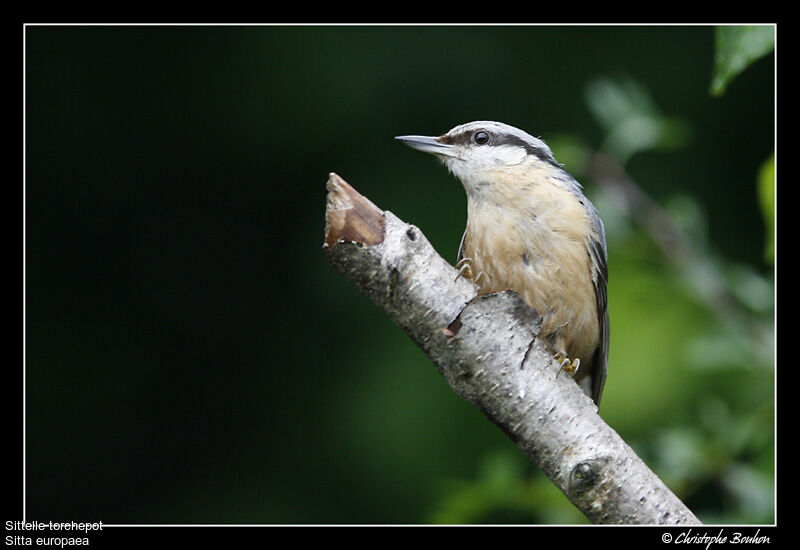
(736, 48)
(631, 119)
(766, 200)
(503, 492)
(751, 491)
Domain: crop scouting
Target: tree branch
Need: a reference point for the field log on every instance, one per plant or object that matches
(486, 348)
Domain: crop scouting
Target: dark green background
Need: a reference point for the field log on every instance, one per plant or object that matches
(191, 356)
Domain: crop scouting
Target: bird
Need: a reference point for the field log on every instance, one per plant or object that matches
(531, 229)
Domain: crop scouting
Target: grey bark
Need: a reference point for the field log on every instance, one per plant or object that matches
(486, 348)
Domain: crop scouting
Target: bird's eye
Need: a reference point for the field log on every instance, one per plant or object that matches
(480, 138)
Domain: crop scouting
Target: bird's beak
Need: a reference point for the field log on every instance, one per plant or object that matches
(428, 144)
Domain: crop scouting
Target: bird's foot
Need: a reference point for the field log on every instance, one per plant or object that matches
(569, 366)
(464, 267)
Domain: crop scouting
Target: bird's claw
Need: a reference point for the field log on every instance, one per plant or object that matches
(464, 267)
(569, 366)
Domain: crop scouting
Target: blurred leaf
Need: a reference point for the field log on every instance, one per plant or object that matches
(500, 478)
(752, 492)
(687, 212)
(504, 493)
(681, 455)
(734, 433)
(502, 469)
(750, 287)
(736, 48)
(614, 101)
(631, 119)
(766, 200)
(697, 461)
(717, 351)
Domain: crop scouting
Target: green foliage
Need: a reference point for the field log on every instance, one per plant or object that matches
(766, 200)
(631, 121)
(736, 48)
(505, 491)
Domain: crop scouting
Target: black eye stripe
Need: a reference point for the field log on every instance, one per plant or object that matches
(541, 154)
(465, 138)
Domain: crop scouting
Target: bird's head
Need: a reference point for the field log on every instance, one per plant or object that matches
(479, 152)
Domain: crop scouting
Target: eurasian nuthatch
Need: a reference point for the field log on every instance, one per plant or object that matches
(531, 229)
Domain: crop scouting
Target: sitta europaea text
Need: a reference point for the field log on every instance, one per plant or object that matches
(530, 229)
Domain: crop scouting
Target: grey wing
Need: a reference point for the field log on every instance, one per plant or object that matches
(596, 246)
